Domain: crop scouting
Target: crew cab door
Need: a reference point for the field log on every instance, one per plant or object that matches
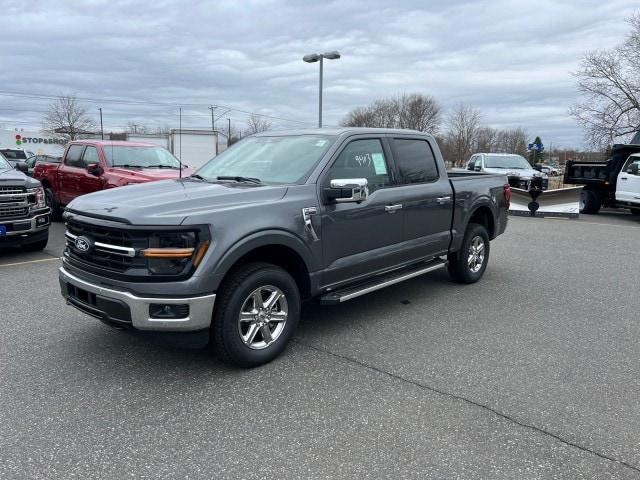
(628, 185)
(428, 197)
(74, 179)
(359, 239)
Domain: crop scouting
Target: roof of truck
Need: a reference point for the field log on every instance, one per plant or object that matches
(106, 143)
(339, 131)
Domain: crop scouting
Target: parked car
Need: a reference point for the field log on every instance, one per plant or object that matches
(516, 167)
(278, 218)
(15, 155)
(603, 181)
(549, 170)
(24, 215)
(91, 165)
(32, 160)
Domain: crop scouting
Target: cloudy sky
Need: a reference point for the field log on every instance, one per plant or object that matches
(510, 59)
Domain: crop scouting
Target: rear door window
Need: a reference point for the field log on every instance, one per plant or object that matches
(415, 160)
(72, 159)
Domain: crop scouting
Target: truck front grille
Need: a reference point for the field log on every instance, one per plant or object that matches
(107, 242)
(14, 202)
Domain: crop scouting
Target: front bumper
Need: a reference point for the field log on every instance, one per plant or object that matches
(122, 308)
(20, 230)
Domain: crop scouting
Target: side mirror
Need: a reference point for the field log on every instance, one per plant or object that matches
(22, 166)
(94, 169)
(633, 169)
(477, 168)
(347, 190)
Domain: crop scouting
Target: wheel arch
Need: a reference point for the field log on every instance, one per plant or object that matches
(483, 214)
(274, 247)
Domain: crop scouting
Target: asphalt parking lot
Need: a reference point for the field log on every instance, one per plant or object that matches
(534, 372)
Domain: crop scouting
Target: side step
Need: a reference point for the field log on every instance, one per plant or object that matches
(380, 281)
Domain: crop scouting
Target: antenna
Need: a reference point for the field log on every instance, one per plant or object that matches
(180, 143)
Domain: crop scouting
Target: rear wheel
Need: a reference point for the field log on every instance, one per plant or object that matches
(589, 202)
(256, 313)
(56, 210)
(468, 264)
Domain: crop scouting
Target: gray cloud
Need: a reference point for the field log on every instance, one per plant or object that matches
(510, 59)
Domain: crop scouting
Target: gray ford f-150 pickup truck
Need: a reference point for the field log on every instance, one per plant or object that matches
(24, 215)
(279, 218)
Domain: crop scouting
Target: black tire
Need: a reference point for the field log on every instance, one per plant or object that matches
(459, 263)
(56, 211)
(589, 202)
(226, 328)
(635, 212)
(36, 246)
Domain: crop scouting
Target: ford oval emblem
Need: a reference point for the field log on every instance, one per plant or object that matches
(82, 244)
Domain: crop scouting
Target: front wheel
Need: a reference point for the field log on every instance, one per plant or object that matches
(468, 265)
(56, 211)
(256, 313)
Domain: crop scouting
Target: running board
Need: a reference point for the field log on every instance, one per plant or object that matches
(381, 281)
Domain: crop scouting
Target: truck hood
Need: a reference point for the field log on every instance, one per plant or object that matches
(12, 177)
(524, 173)
(148, 174)
(170, 202)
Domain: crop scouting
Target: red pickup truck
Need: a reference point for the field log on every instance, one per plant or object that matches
(91, 165)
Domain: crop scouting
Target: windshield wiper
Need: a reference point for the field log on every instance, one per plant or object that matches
(162, 166)
(195, 176)
(126, 165)
(256, 181)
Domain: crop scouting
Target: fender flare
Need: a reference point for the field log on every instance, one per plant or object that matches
(262, 238)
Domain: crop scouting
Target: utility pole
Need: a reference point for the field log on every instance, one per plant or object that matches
(228, 132)
(213, 121)
(101, 127)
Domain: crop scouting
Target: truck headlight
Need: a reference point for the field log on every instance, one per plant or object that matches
(169, 253)
(36, 197)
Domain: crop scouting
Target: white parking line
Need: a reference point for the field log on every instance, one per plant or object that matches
(30, 261)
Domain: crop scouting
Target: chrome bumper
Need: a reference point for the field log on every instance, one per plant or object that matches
(32, 222)
(200, 308)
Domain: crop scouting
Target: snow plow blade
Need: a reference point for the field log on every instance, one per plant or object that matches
(562, 202)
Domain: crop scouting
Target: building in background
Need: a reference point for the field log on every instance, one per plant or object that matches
(33, 141)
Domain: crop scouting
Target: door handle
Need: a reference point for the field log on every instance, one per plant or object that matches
(623, 178)
(393, 208)
(442, 200)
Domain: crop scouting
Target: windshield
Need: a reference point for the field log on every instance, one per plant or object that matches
(276, 160)
(142, 157)
(11, 154)
(506, 161)
(3, 163)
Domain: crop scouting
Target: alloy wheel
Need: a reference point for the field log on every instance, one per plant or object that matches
(263, 317)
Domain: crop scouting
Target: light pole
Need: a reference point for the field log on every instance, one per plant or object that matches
(315, 57)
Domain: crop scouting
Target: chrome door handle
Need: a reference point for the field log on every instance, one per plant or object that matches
(623, 178)
(393, 208)
(442, 200)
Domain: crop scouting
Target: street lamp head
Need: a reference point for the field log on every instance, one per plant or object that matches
(331, 55)
(311, 58)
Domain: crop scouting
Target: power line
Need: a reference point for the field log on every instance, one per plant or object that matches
(146, 102)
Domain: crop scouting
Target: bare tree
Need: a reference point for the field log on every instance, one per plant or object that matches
(414, 111)
(257, 124)
(512, 140)
(463, 127)
(487, 139)
(609, 83)
(67, 116)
